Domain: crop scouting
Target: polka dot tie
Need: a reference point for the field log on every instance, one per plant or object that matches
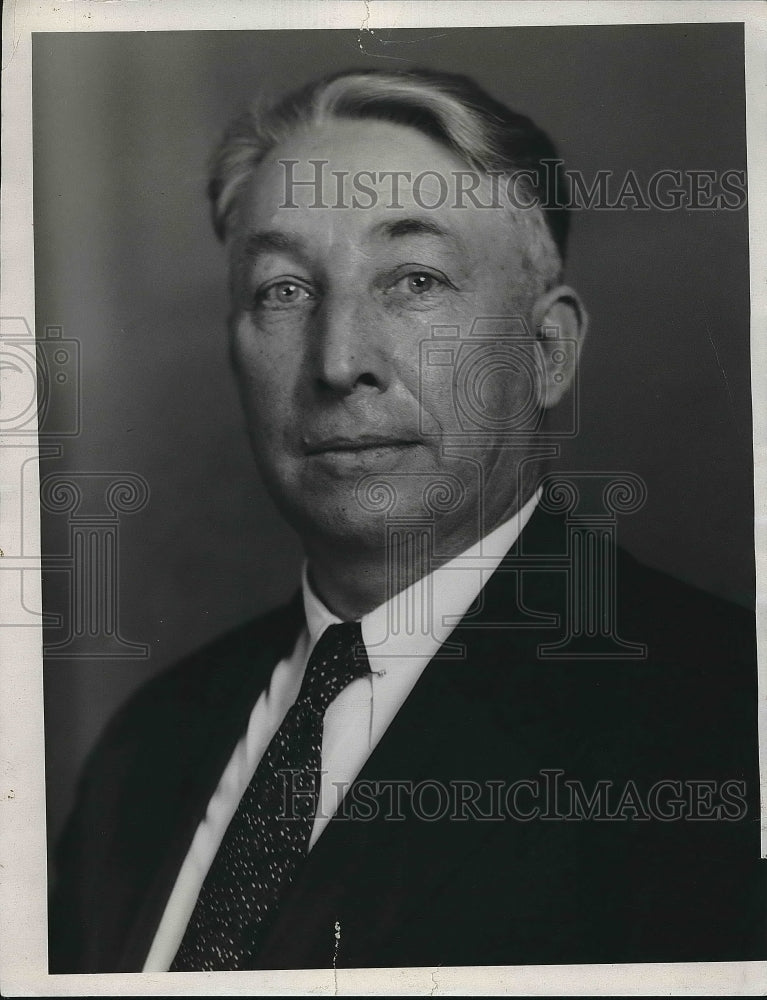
(268, 837)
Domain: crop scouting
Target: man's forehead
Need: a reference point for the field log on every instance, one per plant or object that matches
(374, 181)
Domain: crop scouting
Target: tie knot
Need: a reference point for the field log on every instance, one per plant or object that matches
(338, 658)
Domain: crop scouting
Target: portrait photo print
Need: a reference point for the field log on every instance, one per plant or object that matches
(396, 497)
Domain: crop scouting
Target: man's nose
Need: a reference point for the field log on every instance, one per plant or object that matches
(349, 349)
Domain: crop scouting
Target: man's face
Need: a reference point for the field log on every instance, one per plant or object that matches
(331, 308)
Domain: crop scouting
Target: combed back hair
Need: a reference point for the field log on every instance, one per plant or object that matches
(449, 108)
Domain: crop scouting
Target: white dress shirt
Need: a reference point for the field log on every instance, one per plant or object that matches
(401, 636)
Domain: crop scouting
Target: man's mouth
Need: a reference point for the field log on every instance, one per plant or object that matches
(357, 444)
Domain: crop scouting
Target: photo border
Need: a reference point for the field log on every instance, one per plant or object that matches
(23, 883)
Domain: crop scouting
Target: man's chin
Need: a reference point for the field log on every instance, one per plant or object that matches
(340, 529)
(351, 503)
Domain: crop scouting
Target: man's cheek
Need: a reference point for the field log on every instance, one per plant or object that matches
(436, 398)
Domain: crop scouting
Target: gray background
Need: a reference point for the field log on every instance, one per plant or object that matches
(126, 263)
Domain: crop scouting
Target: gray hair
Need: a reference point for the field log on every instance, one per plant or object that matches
(449, 108)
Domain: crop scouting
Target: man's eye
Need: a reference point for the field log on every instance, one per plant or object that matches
(419, 282)
(283, 295)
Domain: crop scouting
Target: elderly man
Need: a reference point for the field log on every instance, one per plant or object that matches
(409, 765)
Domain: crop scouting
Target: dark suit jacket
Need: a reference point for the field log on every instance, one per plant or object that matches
(451, 891)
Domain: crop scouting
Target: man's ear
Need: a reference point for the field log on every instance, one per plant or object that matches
(560, 322)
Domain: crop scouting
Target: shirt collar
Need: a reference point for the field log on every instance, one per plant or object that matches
(410, 627)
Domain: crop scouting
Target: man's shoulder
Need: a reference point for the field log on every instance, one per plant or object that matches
(591, 563)
(620, 642)
(164, 750)
(677, 612)
(207, 683)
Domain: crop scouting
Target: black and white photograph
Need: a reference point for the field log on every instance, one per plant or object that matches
(383, 443)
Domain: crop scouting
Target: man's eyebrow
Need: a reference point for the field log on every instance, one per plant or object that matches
(415, 227)
(275, 241)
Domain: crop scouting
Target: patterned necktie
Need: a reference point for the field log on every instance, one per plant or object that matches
(268, 836)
